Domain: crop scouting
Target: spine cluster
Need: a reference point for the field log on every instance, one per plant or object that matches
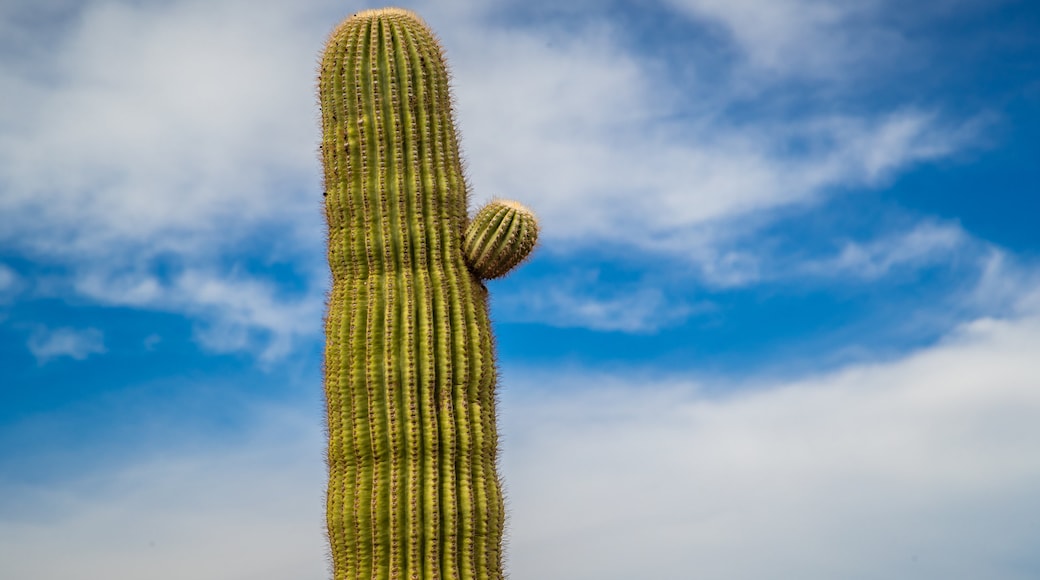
(410, 373)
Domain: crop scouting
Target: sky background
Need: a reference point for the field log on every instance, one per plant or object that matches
(783, 322)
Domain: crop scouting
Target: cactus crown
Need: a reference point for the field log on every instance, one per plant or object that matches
(392, 157)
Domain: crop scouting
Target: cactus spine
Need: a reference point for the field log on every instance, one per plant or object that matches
(410, 373)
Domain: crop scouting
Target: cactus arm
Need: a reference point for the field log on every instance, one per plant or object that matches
(500, 237)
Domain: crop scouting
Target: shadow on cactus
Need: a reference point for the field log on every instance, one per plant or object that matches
(410, 372)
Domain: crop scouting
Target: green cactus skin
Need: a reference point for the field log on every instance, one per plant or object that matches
(410, 372)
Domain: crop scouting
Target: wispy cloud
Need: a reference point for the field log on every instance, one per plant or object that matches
(801, 37)
(838, 42)
(9, 282)
(234, 312)
(585, 302)
(924, 244)
(1006, 285)
(747, 258)
(48, 344)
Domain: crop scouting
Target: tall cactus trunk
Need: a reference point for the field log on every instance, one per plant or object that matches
(410, 373)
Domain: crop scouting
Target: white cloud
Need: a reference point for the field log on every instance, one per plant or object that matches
(240, 305)
(183, 132)
(1006, 285)
(741, 258)
(235, 312)
(800, 37)
(47, 344)
(922, 468)
(151, 121)
(924, 244)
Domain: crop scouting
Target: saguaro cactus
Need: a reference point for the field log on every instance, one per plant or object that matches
(409, 361)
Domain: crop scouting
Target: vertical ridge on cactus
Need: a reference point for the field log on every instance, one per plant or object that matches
(409, 371)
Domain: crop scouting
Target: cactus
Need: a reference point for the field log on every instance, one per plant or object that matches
(410, 373)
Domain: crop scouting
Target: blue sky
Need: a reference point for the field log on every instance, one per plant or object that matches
(782, 323)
